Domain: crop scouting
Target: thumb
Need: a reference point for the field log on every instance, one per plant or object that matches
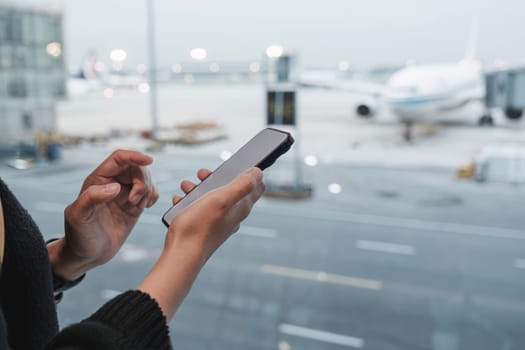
(242, 185)
(95, 195)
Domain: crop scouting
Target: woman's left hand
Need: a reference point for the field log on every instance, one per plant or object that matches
(98, 222)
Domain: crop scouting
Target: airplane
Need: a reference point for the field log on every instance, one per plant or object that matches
(429, 93)
(91, 75)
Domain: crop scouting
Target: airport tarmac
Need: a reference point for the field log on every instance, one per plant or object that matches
(392, 251)
(398, 259)
(327, 126)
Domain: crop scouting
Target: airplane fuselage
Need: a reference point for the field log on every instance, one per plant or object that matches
(434, 92)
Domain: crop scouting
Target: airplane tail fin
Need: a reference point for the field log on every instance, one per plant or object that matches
(472, 44)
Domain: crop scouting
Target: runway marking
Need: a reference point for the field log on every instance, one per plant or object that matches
(109, 293)
(385, 247)
(519, 263)
(323, 336)
(413, 224)
(259, 232)
(367, 219)
(322, 277)
(130, 253)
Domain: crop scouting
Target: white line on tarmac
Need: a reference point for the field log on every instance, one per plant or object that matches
(109, 293)
(259, 232)
(406, 223)
(323, 336)
(130, 253)
(519, 263)
(385, 247)
(413, 224)
(322, 277)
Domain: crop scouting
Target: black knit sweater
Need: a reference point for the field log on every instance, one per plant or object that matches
(28, 318)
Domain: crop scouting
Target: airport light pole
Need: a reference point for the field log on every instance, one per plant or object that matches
(152, 69)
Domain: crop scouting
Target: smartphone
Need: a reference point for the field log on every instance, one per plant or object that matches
(261, 151)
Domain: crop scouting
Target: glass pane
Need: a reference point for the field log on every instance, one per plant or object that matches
(3, 84)
(27, 28)
(40, 29)
(14, 28)
(6, 58)
(3, 24)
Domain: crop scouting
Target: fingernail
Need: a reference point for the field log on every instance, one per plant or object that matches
(135, 199)
(112, 187)
(249, 171)
(256, 174)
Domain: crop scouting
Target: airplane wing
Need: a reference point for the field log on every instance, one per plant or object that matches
(330, 81)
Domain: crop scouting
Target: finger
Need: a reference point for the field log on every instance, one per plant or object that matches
(175, 199)
(142, 186)
(93, 196)
(203, 173)
(120, 160)
(186, 186)
(137, 193)
(244, 207)
(254, 196)
(260, 188)
(153, 198)
(250, 200)
(242, 185)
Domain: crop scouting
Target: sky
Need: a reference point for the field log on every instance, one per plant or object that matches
(365, 33)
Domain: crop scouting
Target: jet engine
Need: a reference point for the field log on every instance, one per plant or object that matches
(366, 108)
(513, 113)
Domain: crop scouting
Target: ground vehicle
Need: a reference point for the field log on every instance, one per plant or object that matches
(500, 162)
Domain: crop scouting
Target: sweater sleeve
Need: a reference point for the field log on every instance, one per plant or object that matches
(132, 320)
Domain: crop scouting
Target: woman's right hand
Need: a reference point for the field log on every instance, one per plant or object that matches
(209, 221)
(196, 233)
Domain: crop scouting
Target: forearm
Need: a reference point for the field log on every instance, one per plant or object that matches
(172, 276)
(196, 233)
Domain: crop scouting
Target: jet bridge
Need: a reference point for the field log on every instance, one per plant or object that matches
(505, 89)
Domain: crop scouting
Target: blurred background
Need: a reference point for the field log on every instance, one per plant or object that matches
(395, 221)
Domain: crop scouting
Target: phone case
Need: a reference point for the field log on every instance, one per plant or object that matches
(282, 149)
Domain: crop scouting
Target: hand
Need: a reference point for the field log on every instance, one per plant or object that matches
(218, 214)
(98, 222)
(196, 233)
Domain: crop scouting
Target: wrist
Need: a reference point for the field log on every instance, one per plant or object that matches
(197, 250)
(203, 242)
(191, 253)
(65, 265)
